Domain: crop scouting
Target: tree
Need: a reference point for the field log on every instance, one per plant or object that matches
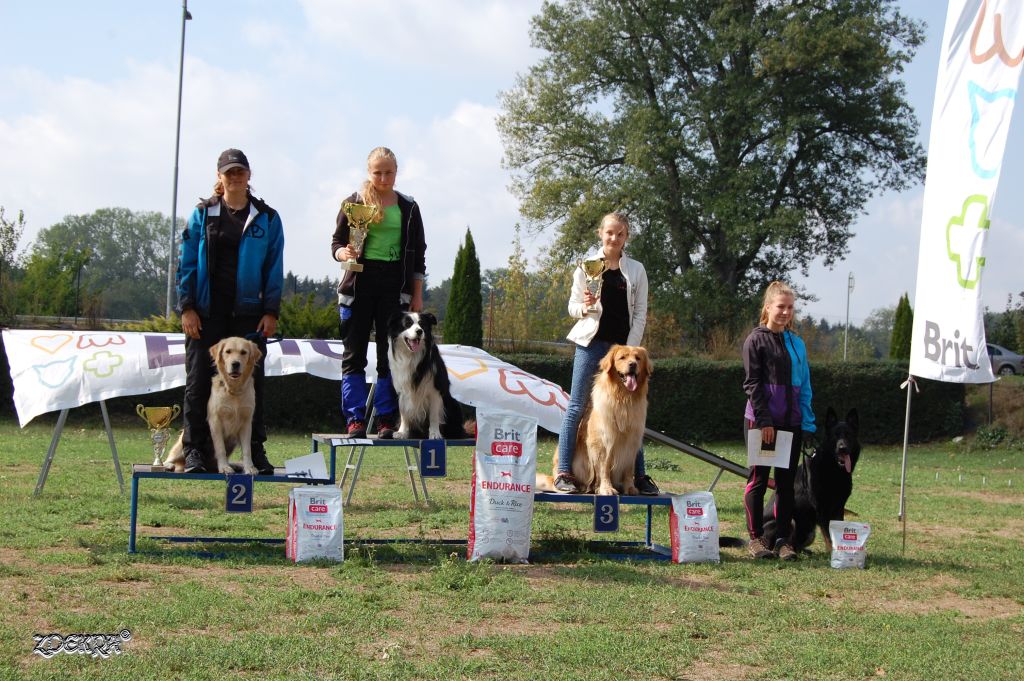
(464, 320)
(10, 235)
(902, 330)
(878, 329)
(743, 137)
(126, 265)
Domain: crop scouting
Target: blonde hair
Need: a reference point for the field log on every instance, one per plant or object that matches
(774, 290)
(614, 216)
(218, 188)
(371, 197)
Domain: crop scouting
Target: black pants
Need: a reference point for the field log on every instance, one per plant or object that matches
(757, 485)
(378, 295)
(199, 370)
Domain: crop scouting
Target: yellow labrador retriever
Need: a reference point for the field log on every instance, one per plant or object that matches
(229, 411)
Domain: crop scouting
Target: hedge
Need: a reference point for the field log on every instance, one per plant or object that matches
(699, 401)
(691, 400)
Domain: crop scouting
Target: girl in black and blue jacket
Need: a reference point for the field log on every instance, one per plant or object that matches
(777, 380)
(230, 277)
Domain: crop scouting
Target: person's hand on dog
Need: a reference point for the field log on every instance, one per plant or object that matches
(191, 324)
(267, 325)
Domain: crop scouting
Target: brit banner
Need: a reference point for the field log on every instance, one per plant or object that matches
(54, 370)
(979, 71)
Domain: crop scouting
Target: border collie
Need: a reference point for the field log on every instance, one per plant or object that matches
(425, 402)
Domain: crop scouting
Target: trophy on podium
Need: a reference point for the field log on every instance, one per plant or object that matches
(593, 269)
(158, 418)
(359, 217)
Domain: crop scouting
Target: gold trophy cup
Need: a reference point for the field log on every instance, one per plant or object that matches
(359, 217)
(158, 418)
(593, 269)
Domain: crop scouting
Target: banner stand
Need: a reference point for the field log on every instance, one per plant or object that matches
(908, 384)
(58, 429)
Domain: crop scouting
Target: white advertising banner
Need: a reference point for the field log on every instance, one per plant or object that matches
(979, 70)
(54, 370)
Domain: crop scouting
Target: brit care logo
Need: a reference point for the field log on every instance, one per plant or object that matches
(849, 534)
(317, 505)
(950, 352)
(507, 443)
(694, 508)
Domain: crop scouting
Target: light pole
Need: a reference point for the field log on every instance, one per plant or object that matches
(185, 16)
(846, 334)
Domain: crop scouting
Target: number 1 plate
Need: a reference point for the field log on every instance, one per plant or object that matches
(433, 459)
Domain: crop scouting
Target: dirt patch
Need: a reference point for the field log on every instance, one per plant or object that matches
(980, 608)
(993, 497)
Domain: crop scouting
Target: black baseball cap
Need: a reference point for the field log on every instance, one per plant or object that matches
(231, 158)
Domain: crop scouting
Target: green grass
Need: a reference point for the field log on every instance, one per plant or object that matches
(951, 606)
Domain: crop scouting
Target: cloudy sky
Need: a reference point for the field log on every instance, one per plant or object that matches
(306, 88)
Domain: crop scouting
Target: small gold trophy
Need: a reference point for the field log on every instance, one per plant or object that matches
(158, 418)
(593, 269)
(359, 217)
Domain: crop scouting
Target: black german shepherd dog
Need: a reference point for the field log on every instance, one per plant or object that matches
(824, 481)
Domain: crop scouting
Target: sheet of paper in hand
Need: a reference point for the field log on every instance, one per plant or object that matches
(776, 454)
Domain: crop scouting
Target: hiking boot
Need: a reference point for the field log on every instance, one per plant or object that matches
(356, 428)
(565, 483)
(386, 426)
(198, 462)
(645, 485)
(758, 548)
(260, 460)
(784, 550)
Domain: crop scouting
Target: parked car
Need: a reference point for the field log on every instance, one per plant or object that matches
(1005, 362)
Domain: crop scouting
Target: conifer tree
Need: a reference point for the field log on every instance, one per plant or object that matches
(463, 321)
(902, 330)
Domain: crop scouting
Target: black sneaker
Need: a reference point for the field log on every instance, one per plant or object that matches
(260, 460)
(386, 427)
(565, 483)
(197, 462)
(356, 428)
(645, 486)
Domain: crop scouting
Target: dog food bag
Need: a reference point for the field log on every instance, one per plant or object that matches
(315, 524)
(693, 525)
(849, 543)
(504, 471)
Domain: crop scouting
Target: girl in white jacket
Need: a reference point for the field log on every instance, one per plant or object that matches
(618, 317)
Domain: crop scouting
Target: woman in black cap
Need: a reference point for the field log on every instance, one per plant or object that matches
(230, 276)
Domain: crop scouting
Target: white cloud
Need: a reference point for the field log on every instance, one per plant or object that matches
(465, 35)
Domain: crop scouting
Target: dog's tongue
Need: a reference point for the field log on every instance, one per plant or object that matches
(414, 343)
(630, 382)
(847, 462)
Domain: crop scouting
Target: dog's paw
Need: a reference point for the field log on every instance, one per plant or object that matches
(435, 434)
(401, 435)
(225, 469)
(632, 491)
(607, 490)
(250, 470)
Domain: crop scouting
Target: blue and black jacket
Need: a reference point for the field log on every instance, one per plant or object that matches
(777, 380)
(260, 277)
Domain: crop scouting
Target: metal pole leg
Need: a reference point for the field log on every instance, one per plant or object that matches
(134, 514)
(113, 448)
(45, 470)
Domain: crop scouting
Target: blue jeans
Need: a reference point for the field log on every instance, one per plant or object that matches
(584, 365)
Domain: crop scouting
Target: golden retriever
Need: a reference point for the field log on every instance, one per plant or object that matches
(612, 428)
(229, 410)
